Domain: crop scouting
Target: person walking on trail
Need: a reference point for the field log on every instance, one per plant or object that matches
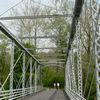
(58, 85)
(54, 84)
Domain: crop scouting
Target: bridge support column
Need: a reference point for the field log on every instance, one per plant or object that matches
(73, 70)
(79, 66)
(40, 71)
(30, 75)
(96, 30)
(11, 70)
(38, 75)
(67, 75)
(35, 78)
(23, 74)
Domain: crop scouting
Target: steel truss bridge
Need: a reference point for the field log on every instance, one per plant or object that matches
(73, 80)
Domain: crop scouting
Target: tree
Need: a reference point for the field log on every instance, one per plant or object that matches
(50, 76)
(27, 27)
(18, 67)
(58, 27)
(4, 58)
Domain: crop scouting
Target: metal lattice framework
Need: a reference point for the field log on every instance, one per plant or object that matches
(96, 30)
(79, 66)
(73, 63)
(95, 26)
(23, 88)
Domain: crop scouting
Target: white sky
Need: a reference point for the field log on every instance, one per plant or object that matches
(6, 4)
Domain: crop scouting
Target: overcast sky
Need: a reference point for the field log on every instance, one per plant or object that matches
(6, 4)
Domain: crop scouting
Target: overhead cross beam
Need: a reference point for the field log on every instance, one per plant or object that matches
(52, 55)
(35, 16)
(38, 37)
(56, 63)
(59, 48)
(47, 59)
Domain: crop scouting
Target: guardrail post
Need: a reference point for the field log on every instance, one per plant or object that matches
(39, 76)
(23, 74)
(30, 75)
(66, 76)
(96, 32)
(73, 70)
(35, 78)
(69, 73)
(11, 70)
(79, 66)
(66, 67)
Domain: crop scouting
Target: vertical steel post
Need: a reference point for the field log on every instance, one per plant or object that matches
(23, 74)
(69, 74)
(35, 40)
(41, 84)
(11, 69)
(67, 68)
(79, 60)
(35, 78)
(30, 75)
(39, 77)
(96, 30)
(73, 70)
(66, 77)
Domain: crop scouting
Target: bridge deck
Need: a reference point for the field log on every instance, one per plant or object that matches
(51, 94)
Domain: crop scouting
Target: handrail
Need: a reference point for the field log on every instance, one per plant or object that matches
(77, 96)
(17, 93)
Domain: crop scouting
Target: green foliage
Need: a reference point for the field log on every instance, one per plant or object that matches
(91, 66)
(4, 58)
(50, 76)
(18, 68)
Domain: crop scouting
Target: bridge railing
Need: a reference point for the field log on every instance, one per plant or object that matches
(73, 95)
(24, 76)
(17, 93)
(75, 86)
